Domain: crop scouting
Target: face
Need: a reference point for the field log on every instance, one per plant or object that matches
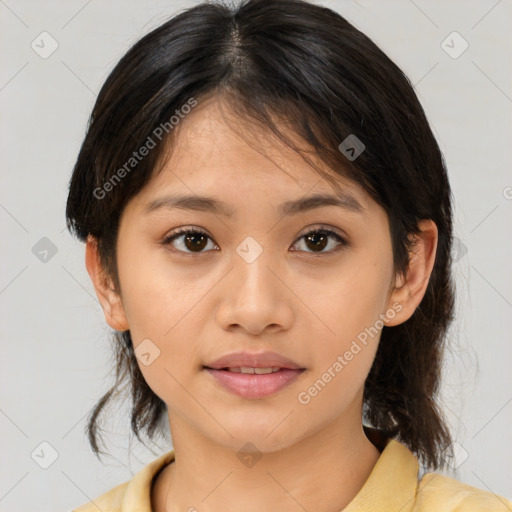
(312, 285)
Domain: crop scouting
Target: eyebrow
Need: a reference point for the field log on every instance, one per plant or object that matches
(212, 205)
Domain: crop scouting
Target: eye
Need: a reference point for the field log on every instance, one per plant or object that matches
(195, 241)
(318, 239)
(190, 240)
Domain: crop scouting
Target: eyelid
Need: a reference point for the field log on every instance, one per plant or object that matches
(186, 229)
(313, 227)
(322, 227)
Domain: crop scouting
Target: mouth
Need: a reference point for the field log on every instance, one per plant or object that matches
(254, 382)
(247, 361)
(248, 370)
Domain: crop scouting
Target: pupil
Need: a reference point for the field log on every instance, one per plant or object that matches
(318, 245)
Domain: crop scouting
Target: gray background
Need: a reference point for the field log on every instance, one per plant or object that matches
(56, 359)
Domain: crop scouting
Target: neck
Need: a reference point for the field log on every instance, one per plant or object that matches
(322, 472)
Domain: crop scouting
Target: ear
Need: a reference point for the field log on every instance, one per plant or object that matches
(109, 299)
(410, 289)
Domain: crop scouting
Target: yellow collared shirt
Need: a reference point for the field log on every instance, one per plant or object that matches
(392, 486)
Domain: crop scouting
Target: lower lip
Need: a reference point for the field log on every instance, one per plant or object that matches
(252, 385)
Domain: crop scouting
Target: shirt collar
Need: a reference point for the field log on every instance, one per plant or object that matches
(392, 484)
(137, 496)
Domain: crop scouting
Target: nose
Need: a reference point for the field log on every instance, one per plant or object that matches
(255, 297)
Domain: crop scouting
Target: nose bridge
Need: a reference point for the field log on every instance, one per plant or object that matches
(251, 266)
(254, 297)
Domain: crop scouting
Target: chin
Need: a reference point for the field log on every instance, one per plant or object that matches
(266, 436)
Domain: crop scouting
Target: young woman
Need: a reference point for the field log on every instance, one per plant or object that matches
(268, 226)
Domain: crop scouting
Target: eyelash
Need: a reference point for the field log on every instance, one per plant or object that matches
(196, 231)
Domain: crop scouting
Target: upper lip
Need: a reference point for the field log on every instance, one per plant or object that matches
(253, 360)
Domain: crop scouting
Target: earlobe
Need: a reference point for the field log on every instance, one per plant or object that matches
(110, 300)
(410, 289)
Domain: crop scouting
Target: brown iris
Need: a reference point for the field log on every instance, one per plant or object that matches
(195, 241)
(318, 240)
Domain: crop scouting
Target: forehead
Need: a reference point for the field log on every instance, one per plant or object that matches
(214, 151)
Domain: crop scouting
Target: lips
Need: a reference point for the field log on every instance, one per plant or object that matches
(254, 360)
(251, 370)
(254, 376)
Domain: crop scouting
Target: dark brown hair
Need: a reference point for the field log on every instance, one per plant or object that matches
(306, 65)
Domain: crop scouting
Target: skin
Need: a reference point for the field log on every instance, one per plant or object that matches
(196, 307)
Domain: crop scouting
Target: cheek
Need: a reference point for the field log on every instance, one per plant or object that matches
(346, 324)
(343, 355)
(174, 356)
(344, 302)
(162, 307)
(156, 293)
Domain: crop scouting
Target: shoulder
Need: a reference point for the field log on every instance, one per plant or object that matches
(111, 501)
(444, 494)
